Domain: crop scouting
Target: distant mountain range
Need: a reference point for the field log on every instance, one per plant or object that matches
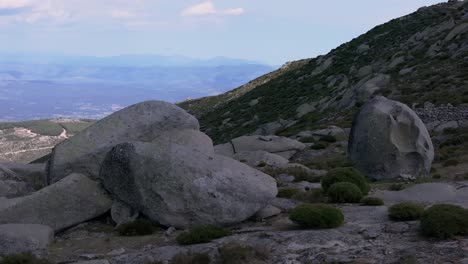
(34, 86)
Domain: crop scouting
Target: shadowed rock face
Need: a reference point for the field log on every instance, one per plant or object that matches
(388, 139)
(144, 122)
(71, 201)
(185, 185)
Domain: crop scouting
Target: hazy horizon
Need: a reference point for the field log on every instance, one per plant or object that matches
(270, 32)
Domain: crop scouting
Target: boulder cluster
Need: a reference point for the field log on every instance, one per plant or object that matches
(149, 158)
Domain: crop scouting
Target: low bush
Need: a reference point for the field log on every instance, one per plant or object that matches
(24, 258)
(450, 162)
(371, 201)
(346, 174)
(234, 253)
(444, 221)
(191, 258)
(312, 196)
(344, 192)
(202, 234)
(262, 164)
(405, 211)
(139, 227)
(307, 178)
(316, 216)
(319, 145)
(396, 186)
(307, 140)
(287, 192)
(328, 138)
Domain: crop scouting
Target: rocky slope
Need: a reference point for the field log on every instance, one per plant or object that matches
(414, 59)
(27, 141)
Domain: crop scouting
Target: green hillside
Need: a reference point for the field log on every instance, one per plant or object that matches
(417, 58)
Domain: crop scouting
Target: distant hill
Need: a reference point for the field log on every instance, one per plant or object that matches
(47, 86)
(27, 141)
(418, 58)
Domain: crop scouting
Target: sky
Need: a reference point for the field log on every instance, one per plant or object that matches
(269, 31)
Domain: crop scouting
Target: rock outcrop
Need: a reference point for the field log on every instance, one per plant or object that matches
(181, 186)
(73, 200)
(282, 146)
(144, 122)
(25, 238)
(388, 139)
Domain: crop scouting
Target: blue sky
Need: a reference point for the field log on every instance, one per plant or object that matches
(271, 31)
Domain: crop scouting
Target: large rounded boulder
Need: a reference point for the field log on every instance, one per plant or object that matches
(388, 140)
(184, 185)
(143, 122)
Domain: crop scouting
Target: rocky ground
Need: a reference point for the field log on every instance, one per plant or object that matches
(70, 218)
(368, 236)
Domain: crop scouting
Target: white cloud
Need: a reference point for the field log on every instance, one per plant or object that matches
(9, 4)
(122, 14)
(208, 8)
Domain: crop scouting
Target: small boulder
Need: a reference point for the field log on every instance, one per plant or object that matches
(121, 213)
(84, 152)
(389, 139)
(73, 200)
(180, 186)
(25, 238)
(260, 158)
(267, 212)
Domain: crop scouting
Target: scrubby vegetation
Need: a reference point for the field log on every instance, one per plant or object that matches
(405, 211)
(25, 258)
(300, 174)
(444, 221)
(202, 234)
(239, 254)
(319, 146)
(191, 258)
(328, 138)
(344, 192)
(316, 216)
(371, 201)
(139, 227)
(347, 174)
(311, 196)
(398, 186)
(287, 192)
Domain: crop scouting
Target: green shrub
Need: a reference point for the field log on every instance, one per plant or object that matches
(239, 254)
(328, 138)
(262, 164)
(405, 211)
(344, 192)
(191, 258)
(436, 176)
(202, 234)
(450, 162)
(347, 174)
(312, 196)
(287, 192)
(371, 201)
(396, 186)
(307, 140)
(307, 178)
(139, 227)
(444, 221)
(316, 216)
(319, 145)
(24, 258)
